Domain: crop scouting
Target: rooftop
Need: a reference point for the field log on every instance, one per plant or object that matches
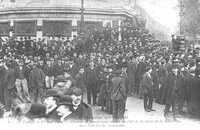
(109, 4)
(115, 6)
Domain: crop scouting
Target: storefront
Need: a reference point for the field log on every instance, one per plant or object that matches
(57, 21)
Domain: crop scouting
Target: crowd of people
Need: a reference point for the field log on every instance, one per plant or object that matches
(100, 69)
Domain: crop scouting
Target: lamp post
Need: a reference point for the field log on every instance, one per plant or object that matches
(181, 17)
(135, 3)
(82, 17)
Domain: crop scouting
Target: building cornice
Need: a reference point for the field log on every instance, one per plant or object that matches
(63, 10)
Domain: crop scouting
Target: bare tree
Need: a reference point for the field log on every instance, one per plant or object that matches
(191, 17)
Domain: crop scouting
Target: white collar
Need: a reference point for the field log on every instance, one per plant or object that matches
(62, 118)
(75, 107)
(149, 74)
(50, 109)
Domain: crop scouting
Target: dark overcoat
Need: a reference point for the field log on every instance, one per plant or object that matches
(174, 83)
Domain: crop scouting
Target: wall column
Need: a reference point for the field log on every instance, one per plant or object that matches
(120, 30)
(111, 23)
(74, 28)
(39, 33)
(11, 32)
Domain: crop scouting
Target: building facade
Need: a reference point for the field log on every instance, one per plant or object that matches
(40, 18)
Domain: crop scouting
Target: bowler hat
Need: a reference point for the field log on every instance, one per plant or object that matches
(52, 93)
(75, 91)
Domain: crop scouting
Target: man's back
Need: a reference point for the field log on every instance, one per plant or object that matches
(118, 88)
(147, 80)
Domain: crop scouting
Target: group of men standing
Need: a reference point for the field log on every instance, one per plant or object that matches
(174, 87)
(106, 70)
(20, 83)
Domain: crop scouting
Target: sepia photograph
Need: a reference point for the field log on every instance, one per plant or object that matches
(99, 63)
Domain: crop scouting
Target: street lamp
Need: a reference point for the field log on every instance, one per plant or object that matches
(82, 16)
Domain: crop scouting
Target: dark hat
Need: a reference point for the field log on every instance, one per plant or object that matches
(52, 93)
(76, 91)
(117, 71)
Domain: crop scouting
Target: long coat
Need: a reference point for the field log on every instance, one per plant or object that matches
(9, 85)
(58, 69)
(36, 79)
(102, 94)
(49, 70)
(80, 81)
(91, 77)
(141, 69)
(131, 73)
(194, 101)
(155, 79)
(174, 83)
(147, 83)
(163, 81)
(2, 80)
(119, 91)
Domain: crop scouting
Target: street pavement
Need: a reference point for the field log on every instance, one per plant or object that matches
(135, 113)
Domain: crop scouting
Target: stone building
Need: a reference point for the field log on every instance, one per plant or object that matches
(40, 18)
